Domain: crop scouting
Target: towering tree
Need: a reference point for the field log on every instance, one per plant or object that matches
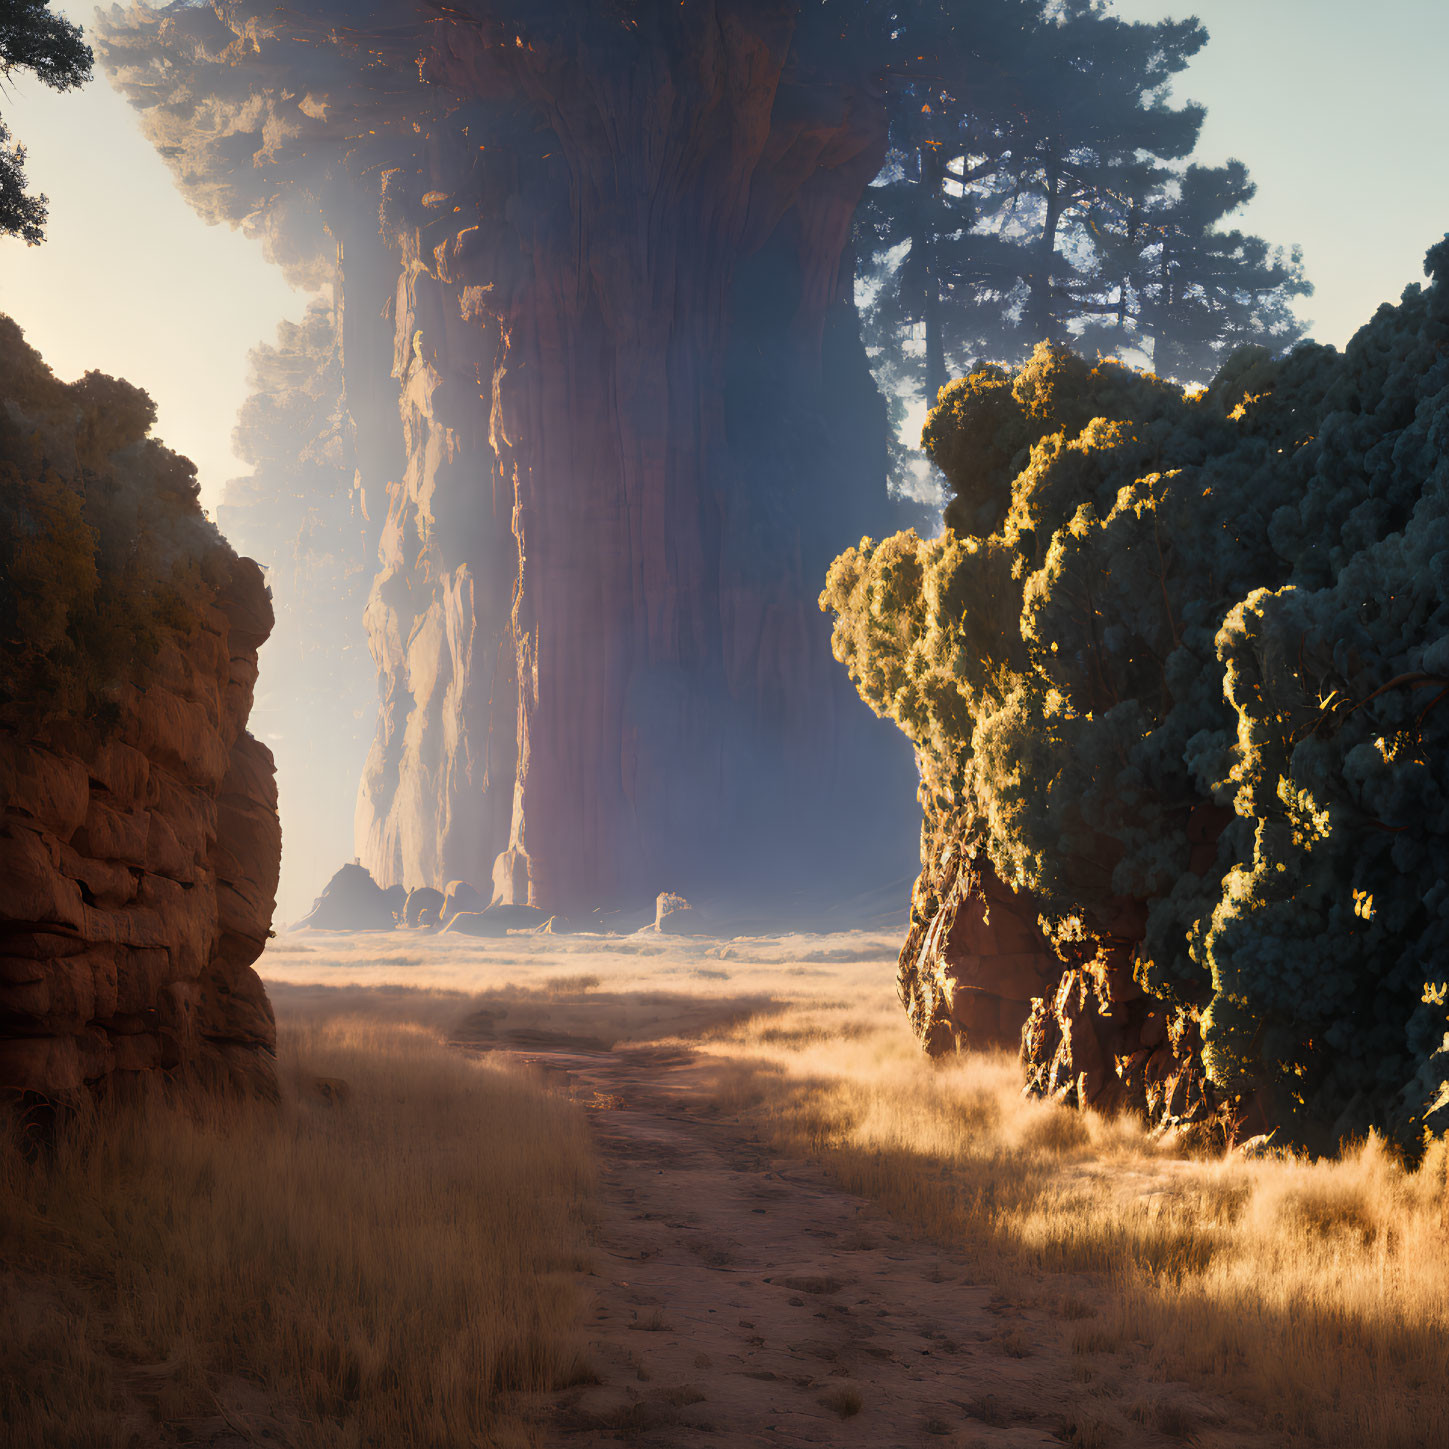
(1206, 291)
(598, 344)
(1095, 106)
(1035, 189)
(599, 349)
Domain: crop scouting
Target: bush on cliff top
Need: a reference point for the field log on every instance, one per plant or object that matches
(1231, 605)
(104, 549)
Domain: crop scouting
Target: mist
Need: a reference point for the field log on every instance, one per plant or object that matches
(723, 722)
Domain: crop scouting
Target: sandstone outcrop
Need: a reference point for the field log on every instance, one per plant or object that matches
(674, 916)
(458, 896)
(351, 901)
(1099, 1041)
(977, 970)
(974, 957)
(609, 408)
(420, 899)
(139, 841)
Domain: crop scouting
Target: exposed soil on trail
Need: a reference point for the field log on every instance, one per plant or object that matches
(741, 1299)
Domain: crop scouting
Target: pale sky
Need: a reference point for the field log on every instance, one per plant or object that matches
(129, 280)
(1340, 111)
(1340, 108)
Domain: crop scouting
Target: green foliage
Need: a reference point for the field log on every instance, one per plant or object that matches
(52, 50)
(105, 554)
(1157, 618)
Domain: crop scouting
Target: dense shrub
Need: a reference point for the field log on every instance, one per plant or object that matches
(1147, 601)
(104, 549)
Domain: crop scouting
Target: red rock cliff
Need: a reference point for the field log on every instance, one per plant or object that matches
(977, 970)
(139, 841)
(594, 262)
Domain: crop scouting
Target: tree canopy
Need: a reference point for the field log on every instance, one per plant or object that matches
(53, 50)
(1150, 601)
(1040, 187)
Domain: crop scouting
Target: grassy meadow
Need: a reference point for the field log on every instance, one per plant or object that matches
(1315, 1293)
(395, 1253)
(381, 1261)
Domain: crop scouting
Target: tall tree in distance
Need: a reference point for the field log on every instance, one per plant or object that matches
(1208, 291)
(1039, 187)
(53, 50)
(918, 228)
(594, 265)
(596, 340)
(1093, 105)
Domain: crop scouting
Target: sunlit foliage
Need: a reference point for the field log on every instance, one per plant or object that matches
(105, 553)
(1233, 604)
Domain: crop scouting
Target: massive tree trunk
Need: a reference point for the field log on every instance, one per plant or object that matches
(607, 295)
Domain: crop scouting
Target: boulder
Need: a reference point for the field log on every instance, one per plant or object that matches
(495, 921)
(427, 917)
(351, 901)
(419, 899)
(460, 896)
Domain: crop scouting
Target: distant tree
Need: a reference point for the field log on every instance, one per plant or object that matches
(52, 50)
(918, 230)
(1037, 189)
(1206, 292)
(1095, 107)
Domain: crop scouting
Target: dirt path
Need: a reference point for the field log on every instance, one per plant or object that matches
(740, 1299)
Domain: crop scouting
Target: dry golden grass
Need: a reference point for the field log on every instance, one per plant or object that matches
(1315, 1293)
(375, 1265)
(846, 1401)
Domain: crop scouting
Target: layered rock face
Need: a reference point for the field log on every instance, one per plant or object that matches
(593, 261)
(1099, 1041)
(139, 842)
(976, 970)
(973, 957)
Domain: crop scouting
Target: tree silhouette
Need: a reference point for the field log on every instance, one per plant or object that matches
(1039, 188)
(52, 50)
